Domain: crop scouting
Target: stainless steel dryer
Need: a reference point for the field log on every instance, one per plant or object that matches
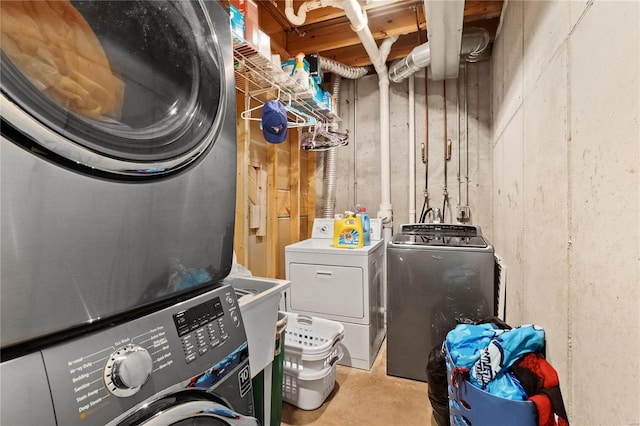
(118, 161)
(185, 364)
(438, 275)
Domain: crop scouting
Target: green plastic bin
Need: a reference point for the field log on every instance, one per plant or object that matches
(276, 378)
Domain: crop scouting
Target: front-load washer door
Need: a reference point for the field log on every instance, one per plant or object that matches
(188, 408)
(118, 160)
(122, 89)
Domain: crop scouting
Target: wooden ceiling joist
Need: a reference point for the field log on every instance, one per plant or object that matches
(328, 32)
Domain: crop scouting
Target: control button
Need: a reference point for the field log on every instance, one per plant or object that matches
(235, 318)
(190, 358)
(230, 300)
(203, 350)
(215, 343)
(127, 370)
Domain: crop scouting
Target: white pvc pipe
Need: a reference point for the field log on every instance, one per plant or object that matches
(378, 57)
(299, 18)
(412, 150)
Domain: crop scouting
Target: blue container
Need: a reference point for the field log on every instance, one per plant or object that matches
(471, 406)
(366, 225)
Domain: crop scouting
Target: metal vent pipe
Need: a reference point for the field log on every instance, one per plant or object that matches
(474, 47)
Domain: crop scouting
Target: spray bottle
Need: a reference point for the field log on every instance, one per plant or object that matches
(300, 74)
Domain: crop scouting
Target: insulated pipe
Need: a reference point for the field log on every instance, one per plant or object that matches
(412, 152)
(474, 47)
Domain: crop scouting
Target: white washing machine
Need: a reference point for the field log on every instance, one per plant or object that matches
(344, 285)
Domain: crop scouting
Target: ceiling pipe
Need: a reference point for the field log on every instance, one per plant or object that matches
(474, 48)
(378, 57)
(298, 19)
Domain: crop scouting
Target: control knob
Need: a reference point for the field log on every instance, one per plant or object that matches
(127, 370)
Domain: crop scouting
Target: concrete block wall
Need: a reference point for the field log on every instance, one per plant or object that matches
(566, 193)
(358, 164)
(554, 165)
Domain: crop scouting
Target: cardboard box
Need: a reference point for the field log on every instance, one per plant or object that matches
(251, 27)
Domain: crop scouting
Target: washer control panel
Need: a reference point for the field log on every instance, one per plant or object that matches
(202, 327)
(98, 376)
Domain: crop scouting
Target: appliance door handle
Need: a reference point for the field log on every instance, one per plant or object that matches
(324, 274)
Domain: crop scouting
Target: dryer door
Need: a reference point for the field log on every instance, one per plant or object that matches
(119, 89)
(188, 408)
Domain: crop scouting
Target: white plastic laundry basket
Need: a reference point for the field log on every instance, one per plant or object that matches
(311, 343)
(311, 352)
(308, 389)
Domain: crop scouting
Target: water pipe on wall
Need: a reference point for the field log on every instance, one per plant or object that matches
(412, 154)
(466, 135)
(458, 204)
(425, 154)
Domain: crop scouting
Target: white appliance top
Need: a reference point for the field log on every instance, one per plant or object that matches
(325, 245)
(321, 240)
(323, 228)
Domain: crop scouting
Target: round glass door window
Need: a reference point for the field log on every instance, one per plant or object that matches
(126, 87)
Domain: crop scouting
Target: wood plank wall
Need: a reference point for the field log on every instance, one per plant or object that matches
(275, 196)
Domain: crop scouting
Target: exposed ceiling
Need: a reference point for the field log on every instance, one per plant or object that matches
(327, 30)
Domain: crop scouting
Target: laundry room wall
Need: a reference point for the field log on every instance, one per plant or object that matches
(358, 164)
(565, 193)
(273, 208)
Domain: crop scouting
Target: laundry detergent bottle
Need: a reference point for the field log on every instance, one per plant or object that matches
(347, 231)
(366, 225)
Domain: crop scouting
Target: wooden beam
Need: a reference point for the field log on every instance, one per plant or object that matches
(241, 228)
(476, 10)
(329, 13)
(294, 186)
(272, 212)
(317, 38)
(356, 55)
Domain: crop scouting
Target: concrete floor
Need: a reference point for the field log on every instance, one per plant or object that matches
(363, 397)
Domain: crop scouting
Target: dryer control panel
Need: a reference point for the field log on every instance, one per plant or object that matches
(97, 377)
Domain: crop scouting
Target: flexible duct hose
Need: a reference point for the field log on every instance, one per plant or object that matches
(330, 156)
(343, 70)
(330, 159)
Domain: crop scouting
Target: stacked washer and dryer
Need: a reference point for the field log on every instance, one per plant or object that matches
(118, 201)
